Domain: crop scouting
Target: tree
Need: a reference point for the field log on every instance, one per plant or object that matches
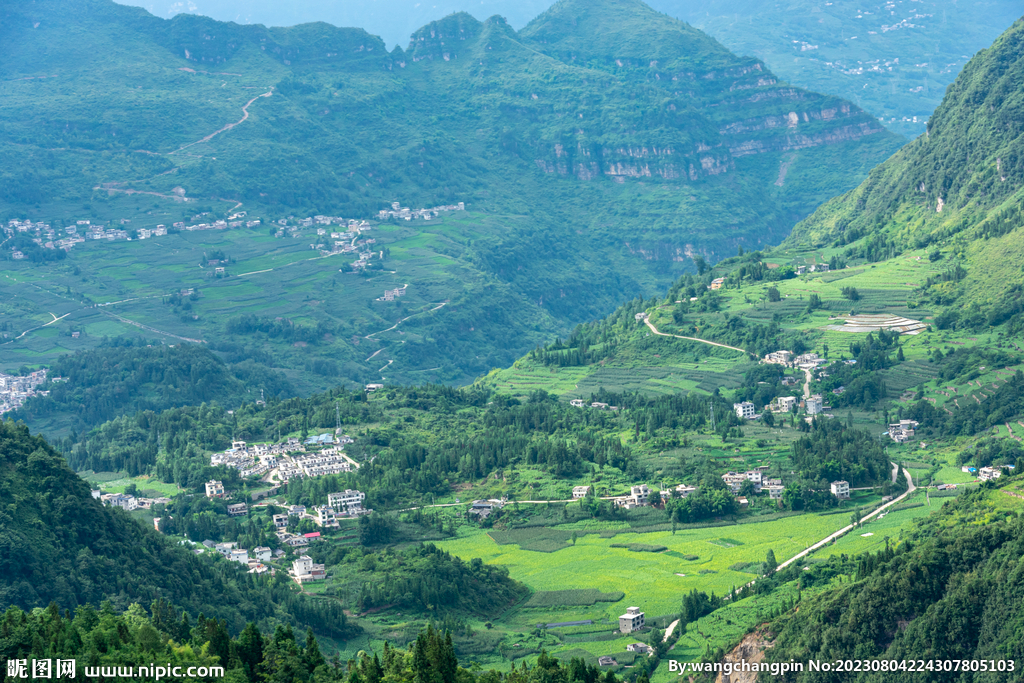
(773, 294)
(702, 265)
(770, 563)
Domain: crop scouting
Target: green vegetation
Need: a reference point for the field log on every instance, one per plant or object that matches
(579, 597)
(601, 147)
(955, 600)
(61, 545)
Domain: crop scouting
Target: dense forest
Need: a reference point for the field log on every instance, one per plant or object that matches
(103, 640)
(58, 543)
(129, 376)
(952, 589)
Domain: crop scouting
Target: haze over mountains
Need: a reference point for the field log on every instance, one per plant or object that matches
(893, 58)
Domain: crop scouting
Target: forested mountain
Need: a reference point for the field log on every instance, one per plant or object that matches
(894, 59)
(58, 543)
(951, 590)
(596, 151)
(958, 188)
(656, 138)
(97, 386)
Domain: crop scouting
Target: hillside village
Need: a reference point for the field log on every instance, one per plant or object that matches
(15, 389)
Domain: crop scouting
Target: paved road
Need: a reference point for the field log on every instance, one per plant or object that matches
(702, 341)
(825, 541)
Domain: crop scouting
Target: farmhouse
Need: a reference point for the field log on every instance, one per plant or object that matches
(814, 404)
(902, 431)
(841, 489)
(580, 492)
(632, 620)
(781, 357)
(606, 661)
(744, 410)
(214, 489)
(305, 571)
(640, 648)
(237, 509)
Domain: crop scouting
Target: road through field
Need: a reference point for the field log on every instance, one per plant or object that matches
(828, 539)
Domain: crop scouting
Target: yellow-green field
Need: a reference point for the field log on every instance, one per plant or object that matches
(651, 580)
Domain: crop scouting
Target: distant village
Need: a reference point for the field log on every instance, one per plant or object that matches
(79, 231)
(48, 236)
(399, 212)
(282, 462)
(15, 389)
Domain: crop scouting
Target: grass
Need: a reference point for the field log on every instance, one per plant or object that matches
(650, 580)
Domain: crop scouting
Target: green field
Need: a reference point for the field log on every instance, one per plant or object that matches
(651, 580)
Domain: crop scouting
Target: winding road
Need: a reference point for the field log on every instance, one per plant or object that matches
(702, 341)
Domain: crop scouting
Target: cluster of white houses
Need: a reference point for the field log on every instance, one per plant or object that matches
(127, 502)
(15, 389)
(791, 360)
(903, 431)
(400, 212)
(289, 459)
(232, 552)
(392, 294)
(734, 480)
(596, 405)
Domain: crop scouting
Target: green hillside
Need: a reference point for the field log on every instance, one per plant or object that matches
(948, 590)
(957, 191)
(894, 59)
(60, 544)
(584, 181)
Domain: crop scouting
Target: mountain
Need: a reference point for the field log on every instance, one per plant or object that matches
(585, 178)
(949, 590)
(60, 544)
(893, 59)
(958, 191)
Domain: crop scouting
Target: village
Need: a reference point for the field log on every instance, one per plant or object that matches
(15, 389)
(278, 463)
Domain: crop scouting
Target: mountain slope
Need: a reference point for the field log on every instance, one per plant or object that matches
(959, 188)
(586, 182)
(951, 591)
(58, 543)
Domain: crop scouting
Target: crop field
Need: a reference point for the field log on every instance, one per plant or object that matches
(651, 580)
(872, 535)
(571, 598)
(101, 290)
(103, 482)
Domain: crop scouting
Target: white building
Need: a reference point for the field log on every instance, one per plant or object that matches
(240, 555)
(841, 489)
(784, 404)
(814, 404)
(305, 571)
(580, 492)
(326, 517)
(348, 502)
(781, 357)
(262, 553)
(744, 410)
(214, 489)
(632, 620)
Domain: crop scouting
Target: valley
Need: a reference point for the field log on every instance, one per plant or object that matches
(596, 415)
